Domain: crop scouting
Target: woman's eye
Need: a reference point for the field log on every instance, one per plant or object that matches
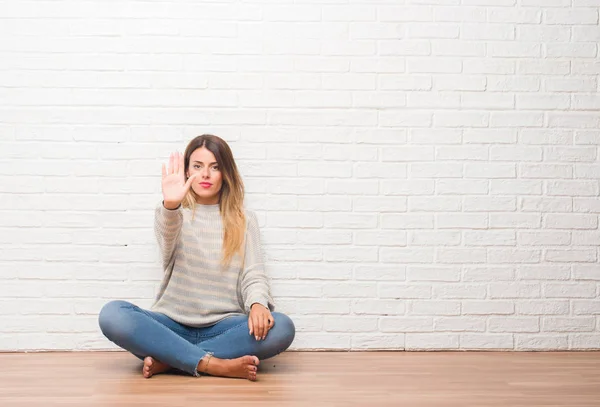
(214, 168)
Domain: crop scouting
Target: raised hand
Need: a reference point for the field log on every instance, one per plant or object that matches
(174, 185)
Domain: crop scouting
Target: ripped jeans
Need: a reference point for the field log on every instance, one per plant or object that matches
(147, 333)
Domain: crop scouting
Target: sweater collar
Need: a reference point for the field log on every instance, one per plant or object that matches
(207, 208)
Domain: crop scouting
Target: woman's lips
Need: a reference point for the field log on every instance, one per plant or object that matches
(205, 184)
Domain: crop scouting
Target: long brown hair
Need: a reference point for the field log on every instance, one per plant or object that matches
(231, 195)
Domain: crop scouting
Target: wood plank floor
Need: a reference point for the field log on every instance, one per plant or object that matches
(465, 379)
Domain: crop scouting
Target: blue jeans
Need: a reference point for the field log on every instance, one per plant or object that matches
(147, 333)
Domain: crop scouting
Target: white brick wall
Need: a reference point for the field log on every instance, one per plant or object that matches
(425, 171)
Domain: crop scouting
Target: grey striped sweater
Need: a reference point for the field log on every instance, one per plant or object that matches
(195, 290)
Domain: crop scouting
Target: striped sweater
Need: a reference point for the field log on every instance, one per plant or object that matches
(195, 289)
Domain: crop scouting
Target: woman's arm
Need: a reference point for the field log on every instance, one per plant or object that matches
(255, 283)
(167, 228)
(168, 217)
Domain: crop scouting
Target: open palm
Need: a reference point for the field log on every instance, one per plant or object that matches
(174, 185)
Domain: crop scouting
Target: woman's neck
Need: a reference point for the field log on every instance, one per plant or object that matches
(207, 201)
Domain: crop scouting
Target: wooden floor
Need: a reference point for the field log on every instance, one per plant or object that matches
(465, 379)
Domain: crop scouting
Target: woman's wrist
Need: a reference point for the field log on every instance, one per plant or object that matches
(171, 205)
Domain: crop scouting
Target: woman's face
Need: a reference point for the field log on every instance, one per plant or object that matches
(209, 179)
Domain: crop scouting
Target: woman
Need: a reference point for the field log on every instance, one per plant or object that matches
(213, 313)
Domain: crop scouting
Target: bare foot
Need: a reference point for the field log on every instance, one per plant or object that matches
(153, 366)
(244, 367)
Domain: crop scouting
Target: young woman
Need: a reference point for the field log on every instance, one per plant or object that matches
(214, 313)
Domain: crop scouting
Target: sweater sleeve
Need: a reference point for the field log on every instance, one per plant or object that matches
(167, 228)
(255, 283)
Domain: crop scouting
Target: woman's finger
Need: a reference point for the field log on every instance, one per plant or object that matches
(271, 321)
(189, 181)
(261, 327)
(181, 163)
(176, 163)
(266, 326)
(164, 171)
(170, 164)
(256, 329)
(250, 325)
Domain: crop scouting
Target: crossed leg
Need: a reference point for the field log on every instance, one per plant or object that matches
(224, 349)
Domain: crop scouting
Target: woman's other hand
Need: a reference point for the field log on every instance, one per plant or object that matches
(260, 321)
